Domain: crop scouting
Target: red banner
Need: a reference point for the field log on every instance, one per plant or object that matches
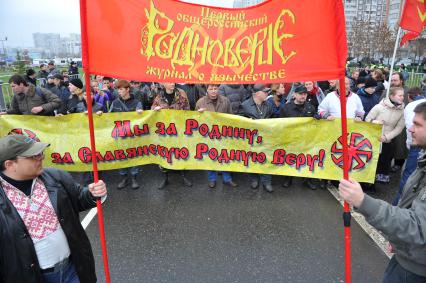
(413, 19)
(172, 41)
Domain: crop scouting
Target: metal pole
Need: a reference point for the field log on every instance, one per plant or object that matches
(4, 49)
(398, 35)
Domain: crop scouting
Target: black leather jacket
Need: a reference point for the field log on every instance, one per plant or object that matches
(291, 109)
(18, 259)
(249, 109)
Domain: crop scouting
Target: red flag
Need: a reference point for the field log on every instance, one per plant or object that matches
(413, 19)
(169, 40)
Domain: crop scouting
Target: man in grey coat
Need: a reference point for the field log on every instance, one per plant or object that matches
(404, 225)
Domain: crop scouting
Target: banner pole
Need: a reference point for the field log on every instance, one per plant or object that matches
(346, 209)
(398, 35)
(86, 69)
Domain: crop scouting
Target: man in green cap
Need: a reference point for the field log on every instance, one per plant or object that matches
(41, 238)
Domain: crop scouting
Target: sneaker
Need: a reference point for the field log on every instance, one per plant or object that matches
(386, 179)
(254, 185)
(268, 188)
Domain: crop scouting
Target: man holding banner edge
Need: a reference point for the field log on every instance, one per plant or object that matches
(404, 225)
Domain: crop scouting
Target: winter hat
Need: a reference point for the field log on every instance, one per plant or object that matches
(77, 83)
(300, 89)
(360, 80)
(261, 87)
(370, 83)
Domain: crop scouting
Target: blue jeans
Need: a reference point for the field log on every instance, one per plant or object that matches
(132, 170)
(409, 167)
(67, 274)
(395, 273)
(212, 176)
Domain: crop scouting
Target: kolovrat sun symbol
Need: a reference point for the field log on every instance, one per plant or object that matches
(359, 148)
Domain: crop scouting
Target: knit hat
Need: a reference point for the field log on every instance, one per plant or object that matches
(370, 83)
(360, 80)
(77, 83)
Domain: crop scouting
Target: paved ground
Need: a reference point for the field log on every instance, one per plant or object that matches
(230, 235)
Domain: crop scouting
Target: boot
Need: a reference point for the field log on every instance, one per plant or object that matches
(123, 183)
(164, 180)
(185, 180)
(310, 183)
(287, 181)
(133, 183)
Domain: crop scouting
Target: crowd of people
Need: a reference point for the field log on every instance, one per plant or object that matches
(402, 114)
(55, 92)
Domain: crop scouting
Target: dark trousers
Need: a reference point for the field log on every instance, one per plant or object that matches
(385, 158)
(395, 273)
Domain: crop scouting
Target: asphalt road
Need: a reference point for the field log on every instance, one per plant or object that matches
(198, 234)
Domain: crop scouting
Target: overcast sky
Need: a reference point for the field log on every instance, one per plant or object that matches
(19, 19)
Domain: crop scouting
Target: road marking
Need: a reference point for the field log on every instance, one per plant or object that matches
(359, 218)
(370, 230)
(89, 217)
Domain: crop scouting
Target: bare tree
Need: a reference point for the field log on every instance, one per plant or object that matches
(368, 40)
(418, 46)
(384, 41)
(360, 39)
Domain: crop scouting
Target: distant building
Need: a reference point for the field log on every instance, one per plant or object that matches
(53, 45)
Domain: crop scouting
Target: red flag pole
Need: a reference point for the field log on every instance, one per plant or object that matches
(346, 209)
(85, 59)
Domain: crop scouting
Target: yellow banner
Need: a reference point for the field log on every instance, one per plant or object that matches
(207, 141)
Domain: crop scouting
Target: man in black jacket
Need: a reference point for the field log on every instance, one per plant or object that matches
(41, 238)
(298, 107)
(256, 107)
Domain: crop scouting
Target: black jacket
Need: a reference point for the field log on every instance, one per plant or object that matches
(249, 109)
(293, 110)
(120, 105)
(18, 259)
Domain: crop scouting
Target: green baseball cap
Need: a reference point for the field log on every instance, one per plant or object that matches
(12, 146)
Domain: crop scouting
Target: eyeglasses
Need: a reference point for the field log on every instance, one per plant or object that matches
(37, 157)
